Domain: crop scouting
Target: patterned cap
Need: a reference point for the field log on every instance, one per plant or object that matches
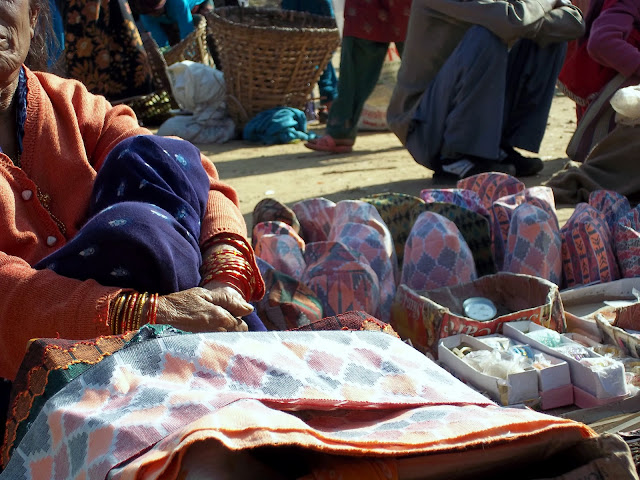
(341, 278)
(533, 244)
(475, 230)
(436, 255)
(282, 250)
(399, 212)
(626, 234)
(587, 248)
(502, 211)
(491, 186)
(270, 209)
(287, 302)
(456, 196)
(612, 205)
(369, 242)
(315, 216)
(275, 228)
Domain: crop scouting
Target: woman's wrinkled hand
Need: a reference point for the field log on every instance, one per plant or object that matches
(216, 307)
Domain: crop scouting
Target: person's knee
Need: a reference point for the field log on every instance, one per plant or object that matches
(482, 47)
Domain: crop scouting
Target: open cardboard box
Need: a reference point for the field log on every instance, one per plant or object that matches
(425, 317)
(591, 387)
(554, 381)
(521, 387)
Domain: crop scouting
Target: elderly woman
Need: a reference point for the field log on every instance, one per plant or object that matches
(105, 227)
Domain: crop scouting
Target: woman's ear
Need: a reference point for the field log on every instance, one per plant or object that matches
(33, 19)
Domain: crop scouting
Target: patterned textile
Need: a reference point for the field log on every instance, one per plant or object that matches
(270, 209)
(436, 255)
(356, 211)
(610, 204)
(502, 211)
(457, 196)
(626, 235)
(103, 49)
(279, 245)
(148, 200)
(349, 393)
(534, 246)
(275, 227)
(315, 216)
(587, 248)
(341, 278)
(475, 230)
(359, 226)
(377, 20)
(47, 367)
(491, 186)
(368, 241)
(399, 211)
(288, 303)
(355, 320)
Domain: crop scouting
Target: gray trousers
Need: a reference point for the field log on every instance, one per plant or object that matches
(486, 95)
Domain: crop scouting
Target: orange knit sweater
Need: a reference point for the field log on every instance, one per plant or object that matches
(67, 134)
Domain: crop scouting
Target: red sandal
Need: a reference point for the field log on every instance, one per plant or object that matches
(327, 143)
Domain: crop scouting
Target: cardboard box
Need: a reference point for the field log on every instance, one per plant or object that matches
(518, 388)
(554, 382)
(427, 316)
(593, 387)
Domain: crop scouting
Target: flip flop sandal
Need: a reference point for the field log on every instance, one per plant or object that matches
(327, 143)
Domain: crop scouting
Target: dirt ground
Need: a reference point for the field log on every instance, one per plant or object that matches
(379, 163)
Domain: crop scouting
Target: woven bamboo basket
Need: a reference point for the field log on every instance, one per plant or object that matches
(153, 109)
(270, 57)
(193, 47)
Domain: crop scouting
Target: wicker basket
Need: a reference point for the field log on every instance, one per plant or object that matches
(192, 47)
(270, 57)
(155, 108)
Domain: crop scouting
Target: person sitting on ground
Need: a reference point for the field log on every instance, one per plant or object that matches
(158, 17)
(603, 149)
(105, 226)
(369, 27)
(610, 46)
(477, 80)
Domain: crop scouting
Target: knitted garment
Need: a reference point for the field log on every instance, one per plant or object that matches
(68, 132)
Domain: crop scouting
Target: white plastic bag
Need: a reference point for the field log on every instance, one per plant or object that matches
(200, 90)
(374, 113)
(626, 103)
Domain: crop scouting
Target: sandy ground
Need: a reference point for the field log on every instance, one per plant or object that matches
(378, 163)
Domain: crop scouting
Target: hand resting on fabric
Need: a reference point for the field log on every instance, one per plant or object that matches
(216, 307)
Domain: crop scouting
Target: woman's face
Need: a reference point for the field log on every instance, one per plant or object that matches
(17, 26)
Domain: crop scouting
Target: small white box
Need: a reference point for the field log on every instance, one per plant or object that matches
(521, 387)
(554, 381)
(607, 384)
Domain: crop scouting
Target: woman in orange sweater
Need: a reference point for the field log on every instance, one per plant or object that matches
(104, 226)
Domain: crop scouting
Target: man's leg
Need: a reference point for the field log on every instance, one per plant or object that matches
(360, 65)
(460, 113)
(532, 73)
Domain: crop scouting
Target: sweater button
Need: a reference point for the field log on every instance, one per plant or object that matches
(51, 240)
(27, 194)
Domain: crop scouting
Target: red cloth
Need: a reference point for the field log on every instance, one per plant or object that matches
(68, 133)
(377, 20)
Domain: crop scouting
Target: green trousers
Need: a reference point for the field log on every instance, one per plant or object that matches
(360, 65)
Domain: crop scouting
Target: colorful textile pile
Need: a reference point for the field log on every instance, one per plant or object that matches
(140, 411)
(344, 254)
(354, 254)
(601, 240)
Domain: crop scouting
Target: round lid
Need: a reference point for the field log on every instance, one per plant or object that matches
(479, 308)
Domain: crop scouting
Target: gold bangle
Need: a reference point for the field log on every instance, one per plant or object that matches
(139, 307)
(115, 327)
